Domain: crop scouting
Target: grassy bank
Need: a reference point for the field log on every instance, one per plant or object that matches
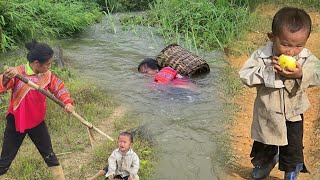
(21, 21)
(69, 135)
(143, 147)
(204, 24)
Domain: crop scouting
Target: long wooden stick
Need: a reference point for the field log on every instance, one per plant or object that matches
(49, 95)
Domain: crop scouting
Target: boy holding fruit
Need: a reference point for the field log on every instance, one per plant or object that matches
(281, 100)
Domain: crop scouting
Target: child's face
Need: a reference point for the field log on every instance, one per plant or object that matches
(289, 43)
(147, 70)
(124, 143)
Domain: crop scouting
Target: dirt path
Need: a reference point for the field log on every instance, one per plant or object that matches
(240, 128)
(74, 162)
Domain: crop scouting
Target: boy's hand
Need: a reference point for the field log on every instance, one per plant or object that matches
(276, 64)
(293, 73)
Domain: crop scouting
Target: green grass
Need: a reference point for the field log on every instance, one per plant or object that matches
(21, 21)
(124, 5)
(308, 4)
(232, 85)
(209, 25)
(204, 24)
(69, 134)
(145, 149)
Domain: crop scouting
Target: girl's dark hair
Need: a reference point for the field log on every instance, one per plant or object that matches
(294, 19)
(38, 51)
(126, 133)
(151, 63)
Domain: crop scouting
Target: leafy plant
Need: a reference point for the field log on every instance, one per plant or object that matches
(21, 21)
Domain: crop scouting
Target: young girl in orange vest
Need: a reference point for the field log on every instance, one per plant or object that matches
(27, 109)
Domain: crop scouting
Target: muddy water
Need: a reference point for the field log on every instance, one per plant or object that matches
(185, 123)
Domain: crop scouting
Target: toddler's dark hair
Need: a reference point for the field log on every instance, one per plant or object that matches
(151, 63)
(128, 134)
(294, 19)
(38, 51)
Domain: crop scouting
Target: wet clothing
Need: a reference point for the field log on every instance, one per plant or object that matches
(26, 114)
(278, 99)
(168, 75)
(28, 105)
(165, 75)
(279, 106)
(123, 165)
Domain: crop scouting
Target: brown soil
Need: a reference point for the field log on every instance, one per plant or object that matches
(240, 128)
(73, 163)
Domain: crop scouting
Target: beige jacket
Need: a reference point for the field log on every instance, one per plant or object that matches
(278, 99)
(123, 165)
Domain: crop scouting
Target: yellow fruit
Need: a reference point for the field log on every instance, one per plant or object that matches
(287, 61)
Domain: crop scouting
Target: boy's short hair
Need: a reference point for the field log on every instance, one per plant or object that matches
(294, 19)
(128, 134)
(151, 63)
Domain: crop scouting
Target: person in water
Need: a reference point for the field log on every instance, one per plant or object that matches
(165, 75)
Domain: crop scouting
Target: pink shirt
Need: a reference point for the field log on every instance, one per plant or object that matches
(29, 106)
(31, 111)
(168, 75)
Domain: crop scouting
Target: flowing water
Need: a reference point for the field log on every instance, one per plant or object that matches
(186, 124)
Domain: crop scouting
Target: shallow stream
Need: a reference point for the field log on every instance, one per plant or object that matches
(185, 123)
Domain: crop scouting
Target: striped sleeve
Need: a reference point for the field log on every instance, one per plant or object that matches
(57, 88)
(4, 88)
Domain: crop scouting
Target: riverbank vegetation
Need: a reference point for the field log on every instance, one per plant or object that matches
(21, 21)
(202, 24)
(206, 24)
(212, 25)
(114, 6)
(69, 135)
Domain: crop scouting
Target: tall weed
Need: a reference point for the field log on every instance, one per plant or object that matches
(206, 24)
(23, 20)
